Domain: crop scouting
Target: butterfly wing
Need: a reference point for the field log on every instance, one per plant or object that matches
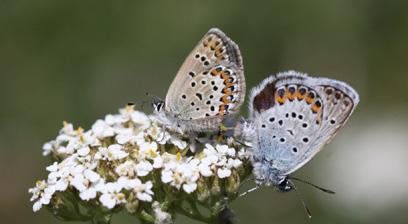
(209, 85)
(296, 115)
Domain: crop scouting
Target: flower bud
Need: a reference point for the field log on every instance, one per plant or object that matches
(215, 186)
(132, 204)
(232, 183)
(202, 190)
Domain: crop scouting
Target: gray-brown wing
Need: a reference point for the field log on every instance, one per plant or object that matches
(210, 84)
(296, 115)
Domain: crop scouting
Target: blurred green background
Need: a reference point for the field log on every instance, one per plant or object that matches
(79, 60)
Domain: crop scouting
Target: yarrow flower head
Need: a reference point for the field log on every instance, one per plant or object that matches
(131, 161)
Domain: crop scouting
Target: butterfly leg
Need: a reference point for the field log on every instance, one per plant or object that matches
(258, 185)
(250, 190)
(193, 142)
(246, 180)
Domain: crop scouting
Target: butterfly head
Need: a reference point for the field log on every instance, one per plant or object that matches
(158, 106)
(285, 185)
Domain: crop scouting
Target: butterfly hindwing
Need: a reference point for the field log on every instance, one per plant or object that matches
(209, 85)
(296, 115)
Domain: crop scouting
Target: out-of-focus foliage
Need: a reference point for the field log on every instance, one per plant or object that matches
(78, 60)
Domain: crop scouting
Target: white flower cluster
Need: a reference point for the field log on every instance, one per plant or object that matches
(118, 156)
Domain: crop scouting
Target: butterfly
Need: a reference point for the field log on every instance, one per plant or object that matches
(293, 117)
(209, 86)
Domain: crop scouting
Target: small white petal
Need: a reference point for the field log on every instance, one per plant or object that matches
(167, 176)
(37, 206)
(84, 151)
(157, 162)
(140, 119)
(107, 200)
(178, 142)
(88, 194)
(115, 152)
(78, 182)
(144, 197)
(47, 148)
(61, 185)
(102, 129)
(205, 170)
(143, 168)
(223, 173)
(53, 167)
(91, 175)
(134, 183)
(188, 188)
(237, 163)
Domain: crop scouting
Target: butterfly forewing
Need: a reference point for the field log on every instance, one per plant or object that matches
(296, 115)
(210, 83)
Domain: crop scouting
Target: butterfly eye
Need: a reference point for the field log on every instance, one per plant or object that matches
(285, 186)
(159, 106)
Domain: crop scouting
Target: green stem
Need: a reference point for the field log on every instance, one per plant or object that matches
(146, 217)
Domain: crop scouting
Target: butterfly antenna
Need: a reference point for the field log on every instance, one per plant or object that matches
(307, 211)
(155, 98)
(143, 103)
(313, 185)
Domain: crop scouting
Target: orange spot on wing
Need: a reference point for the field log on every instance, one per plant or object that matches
(280, 98)
(315, 108)
(225, 99)
(299, 96)
(309, 100)
(227, 91)
(214, 72)
(221, 110)
(290, 96)
(224, 76)
(229, 84)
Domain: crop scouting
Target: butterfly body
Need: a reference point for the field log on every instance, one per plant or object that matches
(209, 86)
(294, 116)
